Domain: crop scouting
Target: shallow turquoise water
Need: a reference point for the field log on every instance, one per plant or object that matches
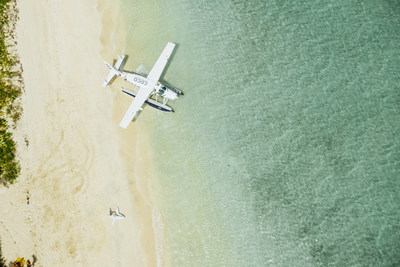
(284, 150)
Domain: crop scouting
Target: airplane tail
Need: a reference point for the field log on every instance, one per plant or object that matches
(114, 70)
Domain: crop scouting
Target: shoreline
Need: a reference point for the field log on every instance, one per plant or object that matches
(78, 164)
(133, 144)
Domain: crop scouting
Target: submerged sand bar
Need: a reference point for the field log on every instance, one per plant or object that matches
(78, 162)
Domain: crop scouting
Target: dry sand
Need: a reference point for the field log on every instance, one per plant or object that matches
(78, 162)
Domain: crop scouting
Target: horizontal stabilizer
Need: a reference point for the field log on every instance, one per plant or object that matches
(114, 70)
(120, 62)
(110, 75)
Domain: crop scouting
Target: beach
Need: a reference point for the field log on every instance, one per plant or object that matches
(76, 163)
(283, 150)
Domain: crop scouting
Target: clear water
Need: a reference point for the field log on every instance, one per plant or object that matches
(285, 149)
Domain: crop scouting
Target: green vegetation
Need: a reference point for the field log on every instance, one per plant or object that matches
(2, 260)
(11, 86)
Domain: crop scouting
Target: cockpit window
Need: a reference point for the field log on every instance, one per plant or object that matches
(162, 90)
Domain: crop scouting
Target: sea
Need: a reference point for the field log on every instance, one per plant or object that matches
(285, 148)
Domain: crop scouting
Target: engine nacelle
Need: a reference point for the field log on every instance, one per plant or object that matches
(167, 93)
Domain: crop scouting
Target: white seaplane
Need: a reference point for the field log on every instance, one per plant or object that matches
(148, 86)
(116, 215)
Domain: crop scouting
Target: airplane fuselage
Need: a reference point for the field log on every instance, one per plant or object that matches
(135, 78)
(167, 92)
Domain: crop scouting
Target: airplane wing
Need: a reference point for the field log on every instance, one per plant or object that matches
(158, 68)
(136, 105)
(146, 91)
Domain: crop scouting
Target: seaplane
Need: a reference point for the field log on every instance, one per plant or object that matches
(149, 86)
(116, 215)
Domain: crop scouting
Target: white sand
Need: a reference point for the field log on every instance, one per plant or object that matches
(78, 163)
